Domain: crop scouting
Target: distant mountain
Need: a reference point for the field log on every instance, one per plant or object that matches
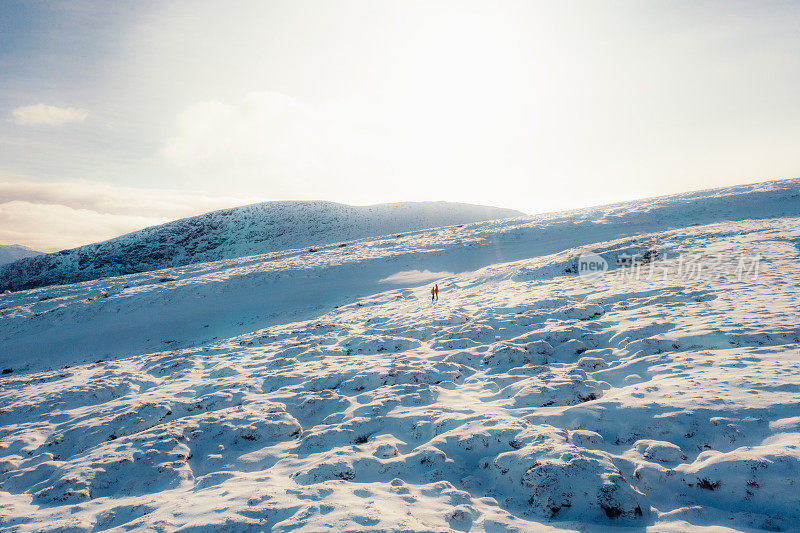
(237, 232)
(12, 252)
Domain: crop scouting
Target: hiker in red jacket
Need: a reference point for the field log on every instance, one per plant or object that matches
(436, 290)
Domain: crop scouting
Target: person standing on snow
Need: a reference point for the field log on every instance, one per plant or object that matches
(433, 292)
(436, 290)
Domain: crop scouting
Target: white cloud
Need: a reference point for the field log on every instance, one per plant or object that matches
(47, 114)
(273, 143)
(48, 227)
(54, 216)
(263, 124)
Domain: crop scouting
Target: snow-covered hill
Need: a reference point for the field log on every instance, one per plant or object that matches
(238, 232)
(325, 391)
(13, 252)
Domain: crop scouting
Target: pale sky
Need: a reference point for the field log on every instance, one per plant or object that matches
(115, 116)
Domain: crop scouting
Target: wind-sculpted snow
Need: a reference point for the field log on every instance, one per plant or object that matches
(237, 232)
(525, 399)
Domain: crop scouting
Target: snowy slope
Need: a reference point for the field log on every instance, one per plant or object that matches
(307, 390)
(238, 232)
(13, 252)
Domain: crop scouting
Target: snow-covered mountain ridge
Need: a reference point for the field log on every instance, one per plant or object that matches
(308, 391)
(13, 252)
(237, 232)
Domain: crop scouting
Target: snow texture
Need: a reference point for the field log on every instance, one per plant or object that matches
(297, 390)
